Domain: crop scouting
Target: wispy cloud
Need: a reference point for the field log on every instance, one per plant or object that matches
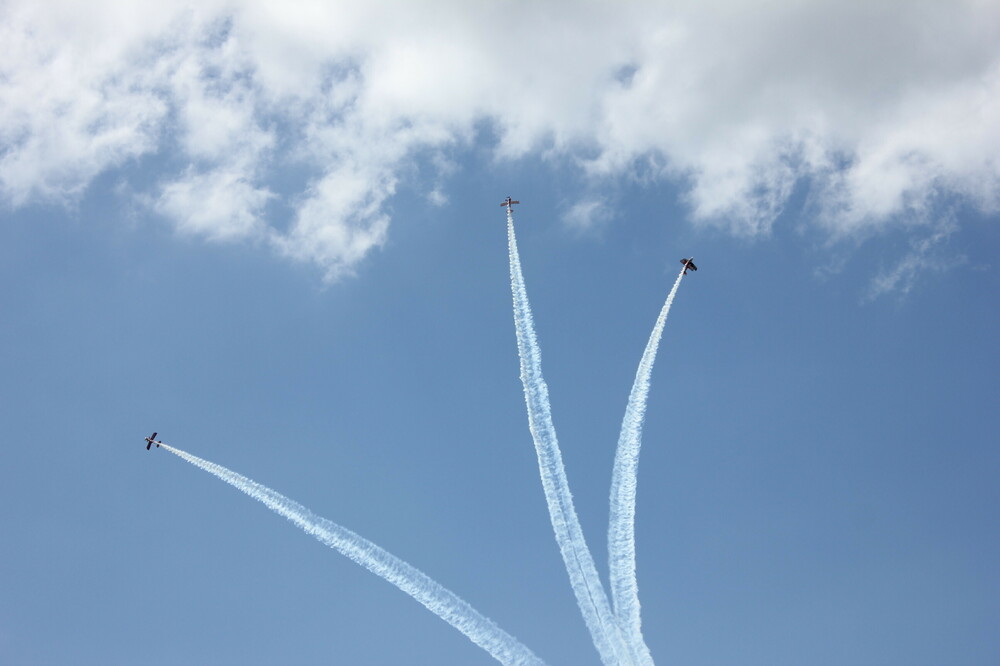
(588, 215)
(926, 254)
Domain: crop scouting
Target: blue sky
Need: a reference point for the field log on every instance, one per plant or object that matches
(276, 240)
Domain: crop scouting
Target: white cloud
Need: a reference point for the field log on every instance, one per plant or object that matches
(340, 221)
(68, 111)
(880, 109)
(220, 204)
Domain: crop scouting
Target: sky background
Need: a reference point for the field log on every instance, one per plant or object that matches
(275, 238)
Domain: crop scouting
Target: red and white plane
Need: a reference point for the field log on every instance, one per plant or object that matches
(152, 440)
(509, 202)
(689, 265)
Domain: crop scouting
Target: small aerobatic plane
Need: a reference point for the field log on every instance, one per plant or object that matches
(509, 202)
(689, 265)
(152, 440)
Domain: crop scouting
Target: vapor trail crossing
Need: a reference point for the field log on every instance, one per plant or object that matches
(442, 602)
(624, 479)
(586, 584)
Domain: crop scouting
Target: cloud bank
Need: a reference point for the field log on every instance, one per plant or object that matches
(879, 112)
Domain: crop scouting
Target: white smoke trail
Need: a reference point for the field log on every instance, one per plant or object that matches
(439, 600)
(586, 584)
(621, 527)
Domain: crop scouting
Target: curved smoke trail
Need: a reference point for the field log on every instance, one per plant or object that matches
(439, 600)
(590, 595)
(621, 527)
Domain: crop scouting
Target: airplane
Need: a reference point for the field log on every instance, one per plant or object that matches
(152, 440)
(689, 265)
(509, 202)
